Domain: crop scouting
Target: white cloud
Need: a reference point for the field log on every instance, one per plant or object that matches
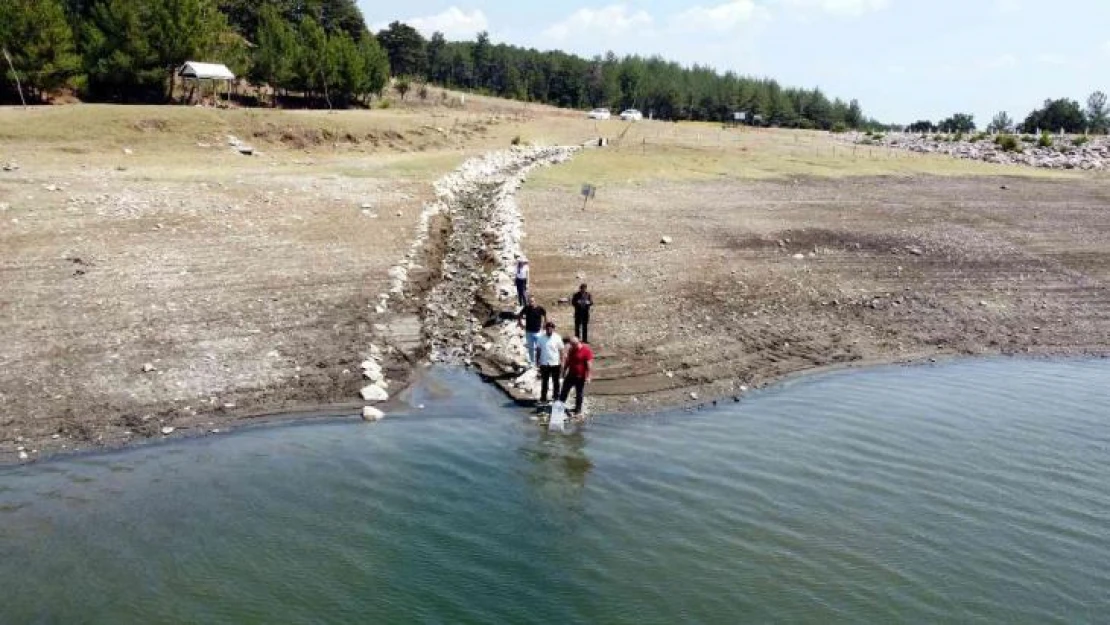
(612, 20)
(720, 18)
(1051, 58)
(849, 8)
(454, 23)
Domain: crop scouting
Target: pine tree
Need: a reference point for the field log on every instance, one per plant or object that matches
(119, 58)
(276, 51)
(854, 116)
(1001, 123)
(439, 61)
(310, 66)
(1098, 117)
(183, 30)
(347, 68)
(377, 66)
(406, 49)
(40, 41)
(481, 57)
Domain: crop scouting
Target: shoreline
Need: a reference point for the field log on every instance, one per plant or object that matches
(308, 416)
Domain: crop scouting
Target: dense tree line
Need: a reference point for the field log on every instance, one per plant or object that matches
(663, 89)
(128, 50)
(1062, 115)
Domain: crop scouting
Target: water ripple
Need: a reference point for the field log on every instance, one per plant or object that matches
(974, 491)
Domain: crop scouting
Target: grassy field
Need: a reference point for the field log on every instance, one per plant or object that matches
(651, 151)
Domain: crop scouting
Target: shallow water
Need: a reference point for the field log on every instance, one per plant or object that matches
(969, 492)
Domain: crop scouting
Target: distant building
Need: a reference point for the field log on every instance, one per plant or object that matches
(747, 117)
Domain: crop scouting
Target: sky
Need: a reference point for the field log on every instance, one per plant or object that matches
(903, 59)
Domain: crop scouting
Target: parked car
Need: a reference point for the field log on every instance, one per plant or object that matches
(599, 114)
(632, 115)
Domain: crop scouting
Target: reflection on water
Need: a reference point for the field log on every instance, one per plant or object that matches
(975, 491)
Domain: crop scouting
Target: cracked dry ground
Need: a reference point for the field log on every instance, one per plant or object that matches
(891, 269)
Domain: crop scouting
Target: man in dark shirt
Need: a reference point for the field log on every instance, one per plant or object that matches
(582, 302)
(532, 319)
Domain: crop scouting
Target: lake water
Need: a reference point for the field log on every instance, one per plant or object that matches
(970, 492)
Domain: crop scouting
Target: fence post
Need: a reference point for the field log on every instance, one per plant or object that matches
(15, 74)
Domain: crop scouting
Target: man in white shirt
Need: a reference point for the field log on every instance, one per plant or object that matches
(521, 277)
(549, 353)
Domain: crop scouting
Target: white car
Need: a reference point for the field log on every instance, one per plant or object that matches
(632, 115)
(599, 114)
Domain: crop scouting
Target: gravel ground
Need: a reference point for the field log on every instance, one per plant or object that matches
(766, 279)
(142, 299)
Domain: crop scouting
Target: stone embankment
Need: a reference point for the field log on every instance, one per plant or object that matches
(1094, 155)
(471, 257)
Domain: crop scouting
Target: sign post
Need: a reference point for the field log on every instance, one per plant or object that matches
(588, 191)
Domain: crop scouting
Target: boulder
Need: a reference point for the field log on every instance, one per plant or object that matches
(370, 413)
(374, 393)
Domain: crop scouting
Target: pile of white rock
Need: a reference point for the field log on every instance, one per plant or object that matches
(1094, 154)
(486, 233)
(377, 391)
(476, 267)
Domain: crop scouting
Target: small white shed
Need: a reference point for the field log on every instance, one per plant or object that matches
(198, 72)
(205, 71)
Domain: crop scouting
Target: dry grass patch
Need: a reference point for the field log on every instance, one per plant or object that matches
(693, 152)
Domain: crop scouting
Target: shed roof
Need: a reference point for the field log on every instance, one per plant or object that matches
(193, 69)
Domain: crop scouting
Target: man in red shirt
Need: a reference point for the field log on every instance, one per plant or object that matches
(577, 371)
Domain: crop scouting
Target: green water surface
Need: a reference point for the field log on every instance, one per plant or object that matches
(976, 492)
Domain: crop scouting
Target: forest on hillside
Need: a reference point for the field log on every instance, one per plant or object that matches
(321, 53)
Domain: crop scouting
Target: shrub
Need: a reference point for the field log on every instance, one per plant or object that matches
(959, 136)
(982, 136)
(1081, 141)
(384, 104)
(515, 141)
(1028, 138)
(1045, 141)
(839, 128)
(1008, 143)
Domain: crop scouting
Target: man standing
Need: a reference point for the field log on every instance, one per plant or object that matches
(531, 318)
(549, 352)
(521, 276)
(578, 369)
(582, 301)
